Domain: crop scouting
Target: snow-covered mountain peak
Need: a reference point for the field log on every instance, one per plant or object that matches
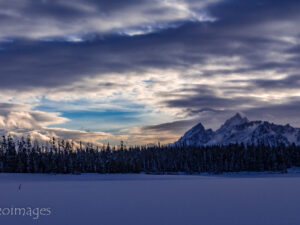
(239, 129)
(197, 134)
(237, 119)
(198, 127)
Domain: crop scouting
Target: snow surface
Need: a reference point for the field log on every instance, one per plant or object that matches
(93, 199)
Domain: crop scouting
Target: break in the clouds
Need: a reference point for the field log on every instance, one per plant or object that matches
(145, 71)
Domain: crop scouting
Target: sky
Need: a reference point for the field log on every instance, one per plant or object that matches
(145, 71)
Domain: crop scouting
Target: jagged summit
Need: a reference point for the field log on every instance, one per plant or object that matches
(236, 119)
(198, 134)
(198, 127)
(238, 129)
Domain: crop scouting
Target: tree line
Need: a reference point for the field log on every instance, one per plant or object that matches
(62, 157)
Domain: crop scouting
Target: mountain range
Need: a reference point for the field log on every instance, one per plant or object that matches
(239, 129)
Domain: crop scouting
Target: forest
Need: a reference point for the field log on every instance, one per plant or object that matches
(62, 157)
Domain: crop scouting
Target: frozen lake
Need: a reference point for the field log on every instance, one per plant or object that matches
(93, 199)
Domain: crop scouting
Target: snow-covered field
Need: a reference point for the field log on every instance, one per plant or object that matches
(93, 199)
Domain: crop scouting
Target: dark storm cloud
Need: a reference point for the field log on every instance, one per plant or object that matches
(205, 110)
(202, 98)
(290, 82)
(61, 11)
(199, 101)
(175, 127)
(295, 49)
(34, 64)
(59, 18)
(282, 113)
(28, 63)
(240, 13)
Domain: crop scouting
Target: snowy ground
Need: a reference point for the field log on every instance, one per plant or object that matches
(93, 199)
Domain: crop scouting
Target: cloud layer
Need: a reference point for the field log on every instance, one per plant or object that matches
(170, 63)
(20, 120)
(75, 19)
